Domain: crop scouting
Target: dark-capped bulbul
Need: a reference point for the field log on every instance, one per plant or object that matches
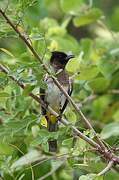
(52, 95)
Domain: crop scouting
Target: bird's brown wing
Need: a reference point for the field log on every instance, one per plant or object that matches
(70, 89)
(42, 96)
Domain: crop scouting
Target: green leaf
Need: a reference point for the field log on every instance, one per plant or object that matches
(43, 136)
(16, 127)
(107, 68)
(90, 177)
(109, 130)
(72, 66)
(86, 45)
(27, 90)
(5, 149)
(56, 31)
(80, 165)
(37, 141)
(4, 94)
(87, 73)
(7, 52)
(89, 17)
(43, 133)
(35, 130)
(3, 80)
(71, 115)
(65, 44)
(80, 147)
(47, 23)
(99, 106)
(99, 84)
(42, 139)
(116, 116)
(71, 5)
(67, 142)
(30, 157)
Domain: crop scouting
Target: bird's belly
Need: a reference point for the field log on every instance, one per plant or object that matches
(55, 97)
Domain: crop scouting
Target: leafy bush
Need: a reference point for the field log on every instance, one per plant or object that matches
(89, 29)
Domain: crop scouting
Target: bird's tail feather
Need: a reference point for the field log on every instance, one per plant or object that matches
(52, 145)
(52, 127)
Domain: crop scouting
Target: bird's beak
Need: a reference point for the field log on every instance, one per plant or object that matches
(69, 57)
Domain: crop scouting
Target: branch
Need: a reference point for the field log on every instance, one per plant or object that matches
(39, 59)
(114, 91)
(89, 98)
(108, 167)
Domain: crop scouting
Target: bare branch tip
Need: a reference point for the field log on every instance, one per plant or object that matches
(106, 169)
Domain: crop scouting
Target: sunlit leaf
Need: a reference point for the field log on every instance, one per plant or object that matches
(66, 44)
(4, 94)
(7, 52)
(72, 66)
(89, 17)
(109, 130)
(107, 68)
(88, 73)
(90, 177)
(99, 84)
(26, 159)
(35, 130)
(5, 149)
(67, 142)
(71, 6)
(27, 90)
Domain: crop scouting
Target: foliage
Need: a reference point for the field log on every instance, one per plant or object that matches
(89, 29)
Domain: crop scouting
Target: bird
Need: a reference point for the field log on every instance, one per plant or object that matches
(53, 96)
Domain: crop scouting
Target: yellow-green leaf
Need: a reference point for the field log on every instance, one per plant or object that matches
(4, 94)
(99, 84)
(7, 52)
(109, 130)
(71, 5)
(89, 17)
(27, 90)
(5, 149)
(88, 73)
(72, 66)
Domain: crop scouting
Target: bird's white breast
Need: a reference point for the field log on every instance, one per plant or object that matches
(54, 97)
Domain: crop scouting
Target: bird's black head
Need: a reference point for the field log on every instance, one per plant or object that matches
(60, 58)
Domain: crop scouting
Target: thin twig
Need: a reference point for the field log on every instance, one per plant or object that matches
(49, 158)
(108, 167)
